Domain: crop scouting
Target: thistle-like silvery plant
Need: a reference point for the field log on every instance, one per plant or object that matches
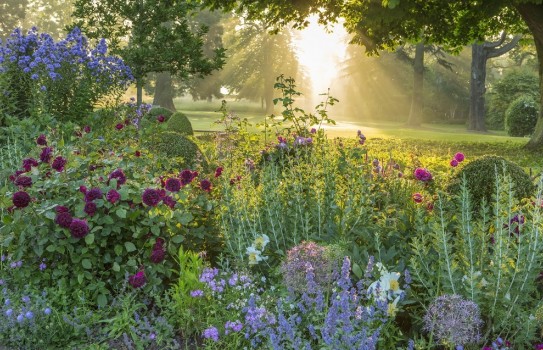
(453, 321)
(482, 258)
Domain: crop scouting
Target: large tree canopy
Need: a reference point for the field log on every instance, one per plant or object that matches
(385, 24)
(150, 35)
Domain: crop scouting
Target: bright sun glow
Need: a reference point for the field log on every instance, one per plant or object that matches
(320, 52)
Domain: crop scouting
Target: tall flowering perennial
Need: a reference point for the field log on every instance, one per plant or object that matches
(348, 319)
(454, 321)
(66, 77)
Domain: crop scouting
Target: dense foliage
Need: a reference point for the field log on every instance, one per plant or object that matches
(521, 116)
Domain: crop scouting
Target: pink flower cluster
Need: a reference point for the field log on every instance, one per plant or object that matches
(458, 158)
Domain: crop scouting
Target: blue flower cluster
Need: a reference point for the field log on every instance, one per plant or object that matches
(54, 72)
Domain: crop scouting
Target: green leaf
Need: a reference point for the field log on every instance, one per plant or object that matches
(101, 300)
(80, 278)
(131, 262)
(118, 250)
(51, 248)
(116, 267)
(357, 271)
(130, 247)
(89, 239)
(121, 212)
(177, 239)
(86, 264)
(108, 220)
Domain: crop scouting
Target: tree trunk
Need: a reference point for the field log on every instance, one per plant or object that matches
(139, 91)
(477, 88)
(532, 15)
(415, 114)
(164, 91)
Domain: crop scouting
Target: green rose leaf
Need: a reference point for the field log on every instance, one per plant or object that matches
(130, 247)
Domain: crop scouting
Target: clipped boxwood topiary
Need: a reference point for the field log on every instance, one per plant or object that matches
(173, 144)
(481, 176)
(521, 116)
(179, 123)
(156, 111)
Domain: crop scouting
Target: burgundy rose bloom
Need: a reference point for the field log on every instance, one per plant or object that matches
(151, 197)
(87, 129)
(119, 126)
(137, 154)
(218, 171)
(119, 175)
(206, 185)
(187, 176)
(138, 280)
(113, 196)
(430, 206)
(59, 163)
(162, 193)
(41, 140)
(158, 253)
(160, 118)
(63, 219)
(83, 189)
(422, 174)
(92, 194)
(90, 208)
(23, 181)
(127, 121)
(173, 185)
(169, 201)
(79, 228)
(46, 155)
(21, 199)
(459, 157)
(61, 209)
(417, 197)
(454, 163)
(28, 163)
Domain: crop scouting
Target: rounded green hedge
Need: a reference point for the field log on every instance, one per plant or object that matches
(156, 111)
(179, 123)
(521, 116)
(173, 145)
(481, 179)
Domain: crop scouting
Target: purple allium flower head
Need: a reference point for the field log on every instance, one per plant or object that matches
(454, 163)
(453, 320)
(218, 171)
(9, 312)
(47, 311)
(119, 175)
(313, 131)
(43, 266)
(113, 196)
(211, 333)
(90, 208)
(21, 199)
(87, 129)
(79, 228)
(119, 126)
(23, 181)
(151, 197)
(28, 163)
(160, 118)
(459, 157)
(206, 185)
(29, 315)
(92, 194)
(423, 175)
(137, 280)
(41, 140)
(46, 155)
(59, 163)
(173, 184)
(20, 318)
